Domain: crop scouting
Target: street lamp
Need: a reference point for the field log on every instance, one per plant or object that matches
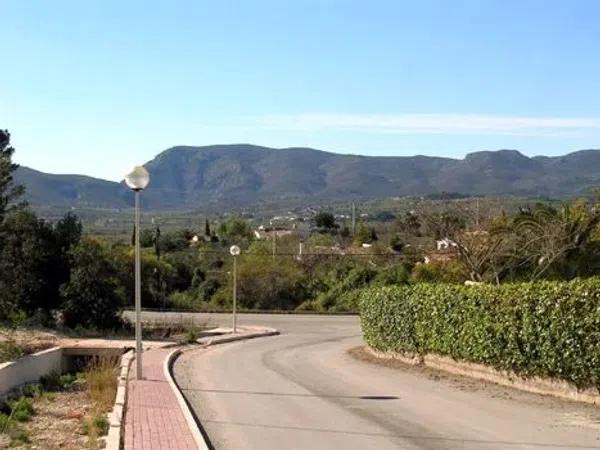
(235, 251)
(138, 180)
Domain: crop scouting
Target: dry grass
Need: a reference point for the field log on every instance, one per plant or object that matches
(101, 381)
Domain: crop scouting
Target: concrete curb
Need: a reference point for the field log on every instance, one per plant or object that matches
(115, 417)
(185, 409)
(223, 339)
(193, 424)
(536, 385)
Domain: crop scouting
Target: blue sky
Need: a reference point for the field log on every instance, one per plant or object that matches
(95, 87)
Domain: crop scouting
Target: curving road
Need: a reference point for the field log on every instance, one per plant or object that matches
(302, 390)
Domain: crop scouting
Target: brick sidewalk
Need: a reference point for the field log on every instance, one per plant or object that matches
(153, 418)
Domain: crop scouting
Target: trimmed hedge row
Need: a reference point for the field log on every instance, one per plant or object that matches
(550, 329)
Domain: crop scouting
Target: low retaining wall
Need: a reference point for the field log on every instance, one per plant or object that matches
(537, 385)
(29, 369)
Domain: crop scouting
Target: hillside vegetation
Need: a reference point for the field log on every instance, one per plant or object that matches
(241, 175)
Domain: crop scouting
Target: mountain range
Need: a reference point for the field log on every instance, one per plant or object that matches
(186, 177)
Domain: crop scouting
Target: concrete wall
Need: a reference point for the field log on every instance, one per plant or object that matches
(29, 369)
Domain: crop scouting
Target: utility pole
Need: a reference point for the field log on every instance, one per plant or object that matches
(353, 218)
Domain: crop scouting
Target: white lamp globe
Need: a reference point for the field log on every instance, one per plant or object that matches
(138, 178)
(234, 250)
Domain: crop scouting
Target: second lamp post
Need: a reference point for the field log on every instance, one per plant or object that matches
(235, 251)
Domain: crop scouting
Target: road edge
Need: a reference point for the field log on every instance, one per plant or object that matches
(193, 424)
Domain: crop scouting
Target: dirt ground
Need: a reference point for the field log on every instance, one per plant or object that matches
(577, 413)
(58, 422)
(29, 341)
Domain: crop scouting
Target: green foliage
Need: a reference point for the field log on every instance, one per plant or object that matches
(390, 275)
(147, 238)
(90, 297)
(325, 221)
(396, 243)
(321, 240)
(158, 276)
(21, 409)
(343, 286)
(235, 231)
(184, 301)
(33, 390)
(264, 283)
(176, 240)
(363, 235)
(547, 329)
(34, 262)
(9, 191)
(9, 351)
(190, 336)
(438, 272)
(57, 381)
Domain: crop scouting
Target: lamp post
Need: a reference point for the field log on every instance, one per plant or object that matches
(235, 251)
(138, 180)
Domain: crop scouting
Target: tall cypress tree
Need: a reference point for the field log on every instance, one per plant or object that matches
(9, 190)
(206, 228)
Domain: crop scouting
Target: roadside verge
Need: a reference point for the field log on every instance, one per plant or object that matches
(536, 385)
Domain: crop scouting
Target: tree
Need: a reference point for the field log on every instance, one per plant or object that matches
(362, 235)
(267, 284)
(345, 232)
(25, 263)
(558, 242)
(66, 234)
(409, 224)
(34, 260)
(9, 191)
(90, 297)
(207, 228)
(325, 221)
(235, 231)
(396, 243)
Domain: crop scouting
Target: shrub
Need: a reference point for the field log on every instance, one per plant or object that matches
(438, 272)
(94, 427)
(56, 381)
(544, 329)
(9, 351)
(183, 301)
(21, 410)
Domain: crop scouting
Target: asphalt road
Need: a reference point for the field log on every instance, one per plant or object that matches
(302, 390)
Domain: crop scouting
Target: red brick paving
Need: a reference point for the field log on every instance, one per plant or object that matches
(153, 419)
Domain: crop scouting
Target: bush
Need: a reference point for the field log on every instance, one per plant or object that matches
(9, 351)
(545, 328)
(21, 409)
(438, 272)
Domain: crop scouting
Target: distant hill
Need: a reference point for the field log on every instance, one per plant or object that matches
(70, 190)
(238, 175)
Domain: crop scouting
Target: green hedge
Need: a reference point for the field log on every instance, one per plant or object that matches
(549, 329)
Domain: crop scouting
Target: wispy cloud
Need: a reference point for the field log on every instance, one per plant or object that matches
(432, 123)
